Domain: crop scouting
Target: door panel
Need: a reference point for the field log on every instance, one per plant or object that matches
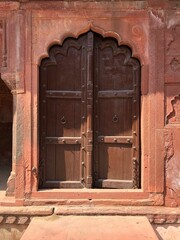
(62, 111)
(116, 92)
(89, 115)
(115, 116)
(63, 121)
(63, 162)
(70, 57)
(114, 168)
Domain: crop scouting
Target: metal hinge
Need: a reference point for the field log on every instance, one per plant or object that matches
(34, 171)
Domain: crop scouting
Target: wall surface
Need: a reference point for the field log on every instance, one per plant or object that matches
(152, 30)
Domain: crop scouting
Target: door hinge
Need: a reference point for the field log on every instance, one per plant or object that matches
(34, 171)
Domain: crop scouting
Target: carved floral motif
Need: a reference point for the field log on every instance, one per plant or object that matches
(137, 31)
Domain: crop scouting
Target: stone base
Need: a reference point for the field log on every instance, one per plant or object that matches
(166, 221)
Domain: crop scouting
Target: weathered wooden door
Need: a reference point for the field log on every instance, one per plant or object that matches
(116, 116)
(89, 115)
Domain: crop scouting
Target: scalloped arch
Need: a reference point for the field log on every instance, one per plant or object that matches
(96, 29)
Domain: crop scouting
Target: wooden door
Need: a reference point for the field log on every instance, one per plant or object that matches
(116, 116)
(62, 115)
(89, 115)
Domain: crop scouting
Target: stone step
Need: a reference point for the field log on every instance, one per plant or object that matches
(89, 228)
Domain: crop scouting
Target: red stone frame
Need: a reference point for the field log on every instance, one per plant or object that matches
(42, 28)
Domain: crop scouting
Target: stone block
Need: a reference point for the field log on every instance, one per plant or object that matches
(89, 228)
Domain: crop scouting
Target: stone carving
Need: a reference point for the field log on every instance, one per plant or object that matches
(11, 184)
(175, 64)
(169, 148)
(14, 219)
(137, 31)
(174, 116)
(14, 81)
(171, 169)
(173, 39)
(157, 18)
(34, 33)
(10, 81)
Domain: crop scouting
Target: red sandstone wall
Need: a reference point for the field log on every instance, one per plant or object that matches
(172, 107)
(154, 29)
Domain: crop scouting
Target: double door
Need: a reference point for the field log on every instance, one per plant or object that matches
(89, 115)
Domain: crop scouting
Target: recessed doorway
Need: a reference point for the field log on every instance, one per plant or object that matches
(6, 110)
(89, 115)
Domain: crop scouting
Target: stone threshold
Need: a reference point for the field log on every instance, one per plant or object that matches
(90, 228)
(24, 215)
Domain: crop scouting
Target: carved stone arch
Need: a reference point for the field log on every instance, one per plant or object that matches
(98, 30)
(135, 53)
(54, 50)
(124, 47)
(75, 35)
(126, 51)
